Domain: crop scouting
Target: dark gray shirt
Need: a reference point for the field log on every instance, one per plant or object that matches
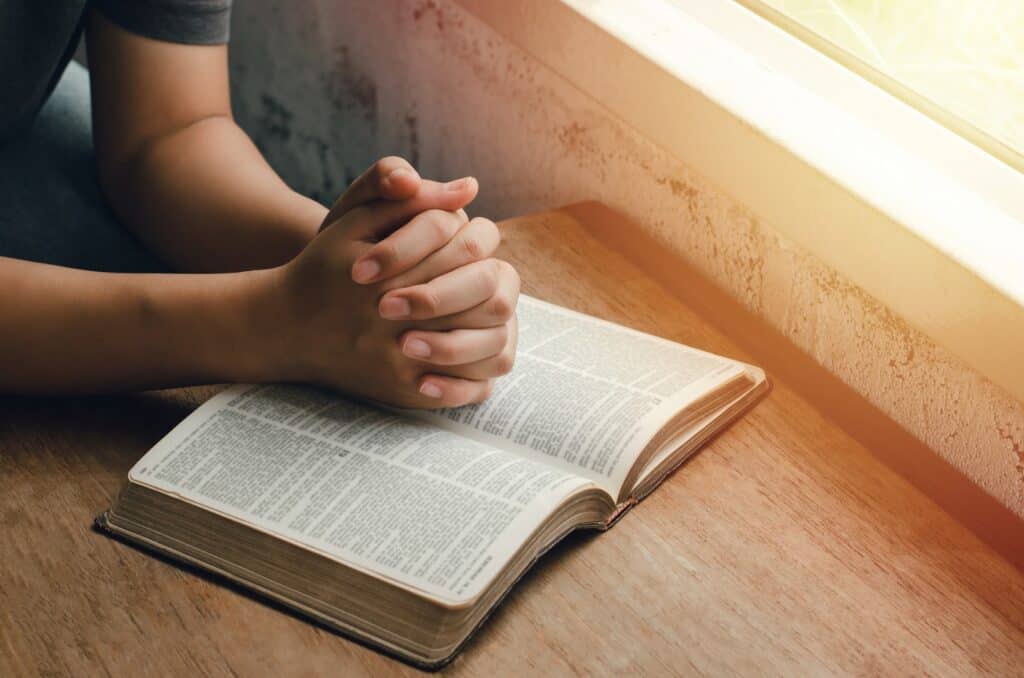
(38, 37)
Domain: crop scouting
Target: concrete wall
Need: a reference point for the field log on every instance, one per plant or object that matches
(327, 86)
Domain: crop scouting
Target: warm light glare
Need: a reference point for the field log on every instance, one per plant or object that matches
(967, 56)
(853, 152)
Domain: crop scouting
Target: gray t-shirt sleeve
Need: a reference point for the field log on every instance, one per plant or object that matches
(194, 22)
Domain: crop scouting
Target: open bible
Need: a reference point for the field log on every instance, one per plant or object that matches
(405, 529)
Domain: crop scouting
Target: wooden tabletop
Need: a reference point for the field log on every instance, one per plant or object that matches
(784, 548)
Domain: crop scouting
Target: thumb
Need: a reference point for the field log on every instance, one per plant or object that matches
(390, 178)
(379, 219)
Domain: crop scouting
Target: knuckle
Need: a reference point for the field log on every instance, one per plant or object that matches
(472, 248)
(386, 252)
(435, 227)
(429, 300)
(501, 307)
(505, 362)
(510, 272)
(514, 274)
(438, 226)
(455, 394)
(465, 395)
(443, 350)
(490, 274)
(502, 334)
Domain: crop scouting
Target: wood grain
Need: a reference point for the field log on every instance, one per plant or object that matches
(784, 548)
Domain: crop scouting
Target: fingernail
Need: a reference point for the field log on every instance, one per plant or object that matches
(457, 185)
(365, 270)
(397, 174)
(394, 308)
(416, 348)
(430, 390)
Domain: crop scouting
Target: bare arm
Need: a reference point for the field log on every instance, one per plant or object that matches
(180, 172)
(69, 331)
(176, 167)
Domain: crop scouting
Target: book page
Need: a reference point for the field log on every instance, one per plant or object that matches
(397, 497)
(587, 394)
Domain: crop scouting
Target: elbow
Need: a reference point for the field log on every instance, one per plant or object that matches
(133, 172)
(117, 171)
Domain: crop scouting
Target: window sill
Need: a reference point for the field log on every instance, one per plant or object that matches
(915, 216)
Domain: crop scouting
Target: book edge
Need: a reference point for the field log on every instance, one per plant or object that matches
(103, 525)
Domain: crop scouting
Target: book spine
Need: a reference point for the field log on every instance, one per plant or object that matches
(620, 510)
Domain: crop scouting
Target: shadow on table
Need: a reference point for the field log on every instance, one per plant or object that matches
(105, 434)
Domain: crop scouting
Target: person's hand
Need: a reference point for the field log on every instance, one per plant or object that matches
(431, 322)
(393, 178)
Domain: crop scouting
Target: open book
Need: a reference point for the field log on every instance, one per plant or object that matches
(405, 529)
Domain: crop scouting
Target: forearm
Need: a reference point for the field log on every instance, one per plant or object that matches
(204, 199)
(70, 331)
(174, 165)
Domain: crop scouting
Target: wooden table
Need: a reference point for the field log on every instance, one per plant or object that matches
(784, 548)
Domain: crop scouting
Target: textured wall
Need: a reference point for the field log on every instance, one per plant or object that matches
(327, 86)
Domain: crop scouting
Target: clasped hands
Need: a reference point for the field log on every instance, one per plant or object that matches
(398, 298)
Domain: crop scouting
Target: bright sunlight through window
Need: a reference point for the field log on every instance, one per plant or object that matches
(961, 61)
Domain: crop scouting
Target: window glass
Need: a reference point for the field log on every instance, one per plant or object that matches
(961, 61)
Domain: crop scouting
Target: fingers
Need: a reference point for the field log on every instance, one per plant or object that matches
(378, 219)
(450, 293)
(451, 196)
(476, 240)
(454, 347)
(463, 351)
(472, 382)
(483, 357)
(390, 178)
(489, 368)
(497, 310)
(408, 246)
(441, 391)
